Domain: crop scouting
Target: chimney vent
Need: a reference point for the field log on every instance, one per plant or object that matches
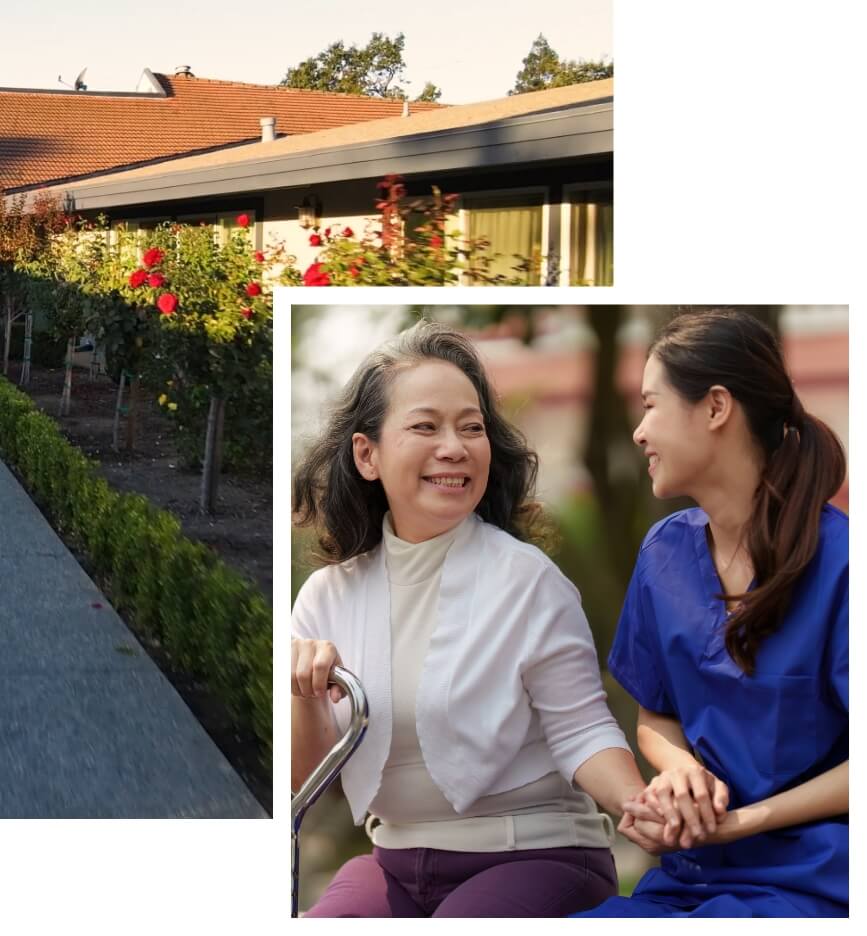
(268, 128)
(183, 70)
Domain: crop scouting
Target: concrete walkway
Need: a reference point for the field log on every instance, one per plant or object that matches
(89, 726)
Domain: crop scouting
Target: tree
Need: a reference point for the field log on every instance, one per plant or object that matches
(375, 70)
(543, 68)
(430, 93)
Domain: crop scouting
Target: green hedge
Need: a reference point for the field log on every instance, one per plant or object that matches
(211, 622)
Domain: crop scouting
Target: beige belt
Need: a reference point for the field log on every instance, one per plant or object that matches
(497, 833)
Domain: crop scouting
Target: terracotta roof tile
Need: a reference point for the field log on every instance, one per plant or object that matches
(47, 135)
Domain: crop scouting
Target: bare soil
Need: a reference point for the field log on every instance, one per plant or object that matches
(240, 531)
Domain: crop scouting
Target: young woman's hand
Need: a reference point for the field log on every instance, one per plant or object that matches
(691, 801)
(312, 662)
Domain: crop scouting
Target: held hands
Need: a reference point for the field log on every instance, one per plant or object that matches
(678, 809)
(312, 662)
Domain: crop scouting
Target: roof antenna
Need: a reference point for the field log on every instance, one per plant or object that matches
(79, 81)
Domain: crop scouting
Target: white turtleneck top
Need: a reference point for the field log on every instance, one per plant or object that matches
(413, 813)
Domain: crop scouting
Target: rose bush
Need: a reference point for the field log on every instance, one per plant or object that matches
(409, 244)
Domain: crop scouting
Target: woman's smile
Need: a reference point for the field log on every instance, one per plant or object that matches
(448, 483)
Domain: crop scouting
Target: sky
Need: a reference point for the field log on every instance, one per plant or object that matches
(471, 49)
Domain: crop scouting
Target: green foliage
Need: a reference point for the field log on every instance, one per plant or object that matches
(430, 93)
(217, 341)
(375, 70)
(543, 68)
(211, 622)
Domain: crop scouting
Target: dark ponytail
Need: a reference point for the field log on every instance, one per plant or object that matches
(804, 460)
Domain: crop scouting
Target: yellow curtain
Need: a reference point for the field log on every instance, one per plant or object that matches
(511, 229)
(591, 244)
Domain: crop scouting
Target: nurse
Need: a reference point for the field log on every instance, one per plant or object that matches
(733, 637)
(489, 738)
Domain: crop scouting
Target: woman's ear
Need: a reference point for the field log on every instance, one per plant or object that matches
(721, 402)
(364, 453)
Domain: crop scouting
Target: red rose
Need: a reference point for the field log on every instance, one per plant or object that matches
(315, 240)
(348, 232)
(167, 303)
(155, 280)
(153, 257)
(247, 313)
(436, 241)
(327, 232)
(316, 276)
(253, 289)
(242, 220)
(354, 273)
(259, 256)
(136, 279)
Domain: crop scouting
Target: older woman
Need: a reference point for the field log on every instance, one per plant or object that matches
(489, 737)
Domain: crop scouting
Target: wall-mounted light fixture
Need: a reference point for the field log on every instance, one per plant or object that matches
(309, 211)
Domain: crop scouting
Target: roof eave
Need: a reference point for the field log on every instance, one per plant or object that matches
(570, 131)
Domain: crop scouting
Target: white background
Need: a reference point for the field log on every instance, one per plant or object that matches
(735, 174)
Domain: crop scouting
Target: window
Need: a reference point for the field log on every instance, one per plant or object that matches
(514, 223)
(590, 231)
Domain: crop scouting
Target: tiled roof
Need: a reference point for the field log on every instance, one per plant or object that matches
(47, 135)
(388, 128)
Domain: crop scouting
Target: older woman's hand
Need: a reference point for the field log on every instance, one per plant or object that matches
(646, 833)
(691, 801)
(312, 662)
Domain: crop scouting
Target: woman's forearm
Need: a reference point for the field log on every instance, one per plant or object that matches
(662, 741)
(314, 733)
(610, 776)
(820, 798)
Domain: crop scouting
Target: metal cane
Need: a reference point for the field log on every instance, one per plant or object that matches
(326, 773)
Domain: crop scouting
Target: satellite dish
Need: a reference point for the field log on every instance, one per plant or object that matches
(79, 83)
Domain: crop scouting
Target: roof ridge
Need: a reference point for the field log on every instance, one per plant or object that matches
(281, 87)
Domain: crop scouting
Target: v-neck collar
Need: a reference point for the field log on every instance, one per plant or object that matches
(715, 649)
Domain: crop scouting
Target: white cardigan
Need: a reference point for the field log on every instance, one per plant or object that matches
(511, 651)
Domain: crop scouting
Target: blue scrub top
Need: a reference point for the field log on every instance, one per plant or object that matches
(761, 734)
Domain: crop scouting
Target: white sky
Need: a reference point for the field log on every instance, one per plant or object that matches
(472, 49)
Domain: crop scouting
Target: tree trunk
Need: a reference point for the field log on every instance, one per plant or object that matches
(66, 396)
(213, 455)
(24, 380)
(132, 413)
(8, 336)
(118, 409)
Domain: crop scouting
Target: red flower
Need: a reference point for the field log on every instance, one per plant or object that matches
(155, 280)
(253, 289)
(259, 257)
(242, 220)
(354, 273)
(167, 303)
(316, 276)
(153, 257)
(137, 279)
(348, 232)
(327, 232)
(247, 313)
(436, 241)
(315, 240)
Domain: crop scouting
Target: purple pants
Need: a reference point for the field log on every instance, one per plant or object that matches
(429, 882)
